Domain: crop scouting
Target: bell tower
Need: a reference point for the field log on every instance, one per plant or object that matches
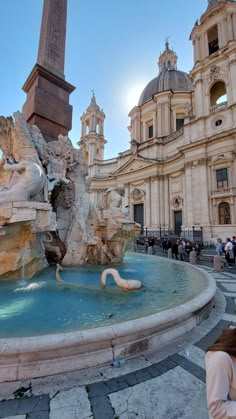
(214, 71)
(92, 136)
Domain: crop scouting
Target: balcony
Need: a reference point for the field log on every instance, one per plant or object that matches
(223, 192)
(219, 107)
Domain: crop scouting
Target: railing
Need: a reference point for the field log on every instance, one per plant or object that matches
(174, 135)
(223, 192)
(218, 108)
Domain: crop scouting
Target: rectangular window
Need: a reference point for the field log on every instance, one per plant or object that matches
(213, 43)
(150, 131)
(222, 178)
(179, 123)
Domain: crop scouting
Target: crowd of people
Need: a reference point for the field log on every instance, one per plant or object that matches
(180, 248)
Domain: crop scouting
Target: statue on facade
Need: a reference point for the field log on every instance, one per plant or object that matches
(113, 196)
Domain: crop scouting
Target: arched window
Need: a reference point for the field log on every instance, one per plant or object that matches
(224, 213)
(218, 93)
(212, 35)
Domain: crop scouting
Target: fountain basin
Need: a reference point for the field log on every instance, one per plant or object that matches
(38, 356)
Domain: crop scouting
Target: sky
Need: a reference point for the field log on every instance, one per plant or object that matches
(112, 48)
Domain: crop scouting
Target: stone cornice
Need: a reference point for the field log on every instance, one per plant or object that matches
(38, 71)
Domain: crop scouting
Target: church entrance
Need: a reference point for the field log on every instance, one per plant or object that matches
(138, 214)
(178, 222)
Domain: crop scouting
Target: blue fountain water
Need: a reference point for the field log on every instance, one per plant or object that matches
(44, 306)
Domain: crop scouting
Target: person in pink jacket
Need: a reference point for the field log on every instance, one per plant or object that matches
(221, 376)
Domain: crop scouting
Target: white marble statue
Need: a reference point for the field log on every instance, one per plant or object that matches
(58, 158)
(113, 196)
(28, 184)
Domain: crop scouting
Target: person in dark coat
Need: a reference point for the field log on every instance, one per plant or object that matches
(175, 249)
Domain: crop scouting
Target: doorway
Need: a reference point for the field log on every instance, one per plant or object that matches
(178, 222)
(138, 214)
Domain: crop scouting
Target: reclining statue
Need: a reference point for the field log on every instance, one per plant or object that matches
(27, 181)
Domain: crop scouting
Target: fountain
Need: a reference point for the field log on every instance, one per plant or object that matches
(46, 218)
(52, 220)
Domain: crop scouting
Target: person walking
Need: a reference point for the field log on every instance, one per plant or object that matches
(151, 243)
(220, 362)
(188, 249)
(219, 247)
(175, 249)
(229, 253)
(181, 251)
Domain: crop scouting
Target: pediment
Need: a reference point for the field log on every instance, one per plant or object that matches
(134, 164)
(221, 159)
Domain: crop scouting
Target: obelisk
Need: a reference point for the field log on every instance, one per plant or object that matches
(47, 104)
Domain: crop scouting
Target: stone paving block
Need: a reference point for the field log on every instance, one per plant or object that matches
(189, 366)
(39, 415)
(175, 394)
(33, 404)
(195, 355)
(230, 305)
(131, 379)
(142, 375)
(102, 408)
(9, 407)
(112, 385)
(97, 389)
(71, 404)
(123, 384)
(16, 417)
(229, 317)
(153, 371)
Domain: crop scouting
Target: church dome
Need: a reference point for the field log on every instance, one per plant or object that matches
(169, 77)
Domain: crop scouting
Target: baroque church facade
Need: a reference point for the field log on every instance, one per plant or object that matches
(179, 173)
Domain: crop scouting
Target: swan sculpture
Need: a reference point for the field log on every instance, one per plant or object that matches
(59, 279)
(124, 284)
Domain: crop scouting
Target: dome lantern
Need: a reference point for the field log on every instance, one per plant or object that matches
(169, 77)
(168, 59)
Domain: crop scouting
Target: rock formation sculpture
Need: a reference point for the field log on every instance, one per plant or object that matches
(50, 178)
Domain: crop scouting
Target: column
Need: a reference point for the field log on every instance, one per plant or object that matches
(234, 25)
(155, 125)
(232, 71)
(188, 196)
(162, 205)
(230, 27)
(204, 197)
(83, 129)
(198, 97)
(197, 50)
(166, 193)
(148, 204)
(155, 203)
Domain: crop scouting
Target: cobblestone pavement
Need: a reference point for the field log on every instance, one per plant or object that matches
(162, 384)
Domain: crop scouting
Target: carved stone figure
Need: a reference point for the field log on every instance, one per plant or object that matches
(58, 159)
(48, 247)
(113, 196)
(26, 186)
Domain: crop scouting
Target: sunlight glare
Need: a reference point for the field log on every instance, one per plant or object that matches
(133, 95)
